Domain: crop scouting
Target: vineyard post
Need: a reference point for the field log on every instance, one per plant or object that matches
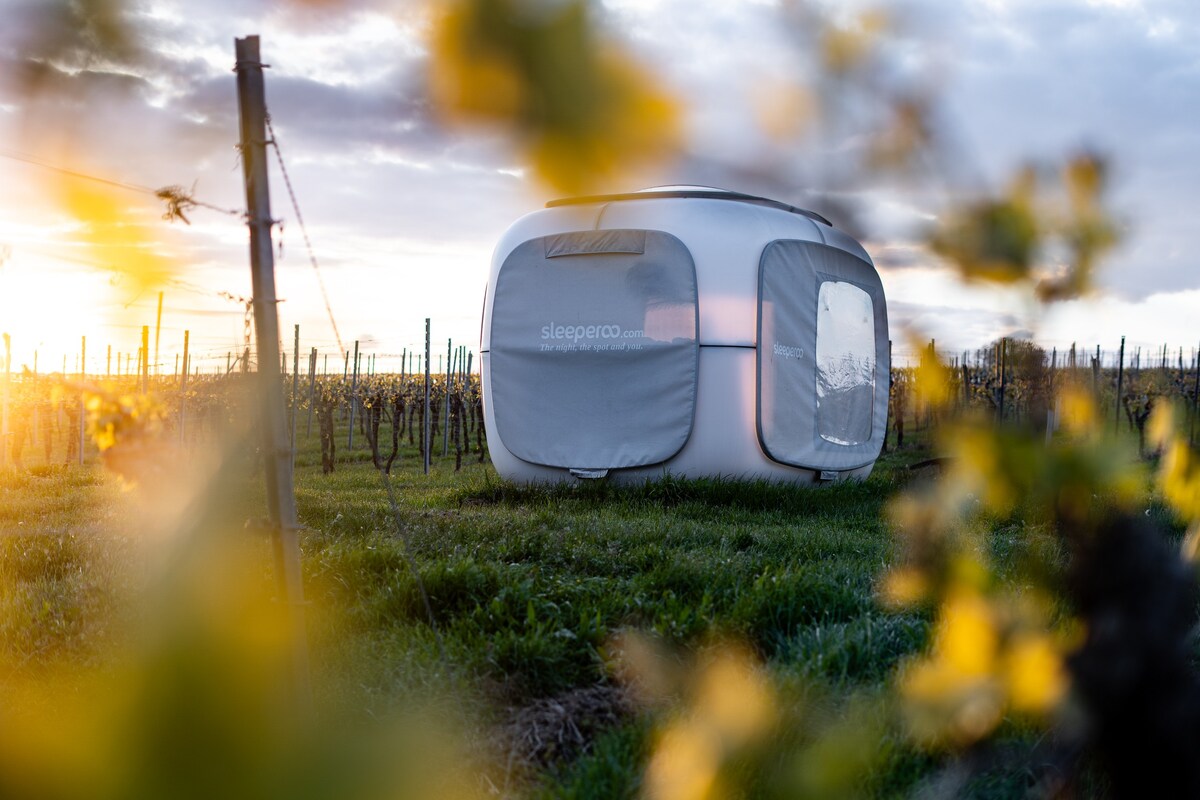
(425, 443)
(157, 329)
(1096, 376)
(1003, 373)
(312, 390)
(82, 381)
(446, 417)
(1195, 401)
(295, 392)
(33, 432)
(183, 387)
(353, 389)
(4, 402)
(1052, 406)
(281, 498)
(1120, 381)
(145, 359)
(108, 363)
(933, 357)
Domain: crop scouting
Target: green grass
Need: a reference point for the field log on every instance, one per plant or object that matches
(528, 587)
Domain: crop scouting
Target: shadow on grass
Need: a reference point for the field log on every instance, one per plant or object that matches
(718, 492)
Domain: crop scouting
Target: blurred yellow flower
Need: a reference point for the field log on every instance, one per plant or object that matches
(118, 238)
(579, 107)
(1190, 547)
(1160, 428)
(989, 655)
(980, 467)
(1034, 673)
(1178, 470)
(732, 705)
(904, 587)
(1078, 409)
(965, 636)
(844, 49)
(934, 387)
(684, 765)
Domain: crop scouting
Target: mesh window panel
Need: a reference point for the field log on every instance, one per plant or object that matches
(594, 349)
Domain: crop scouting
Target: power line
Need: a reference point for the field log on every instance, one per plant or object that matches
(177, 199)
(312, 258)
(37, 162)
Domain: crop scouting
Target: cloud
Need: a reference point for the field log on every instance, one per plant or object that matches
(1043, 79)
(394, 200)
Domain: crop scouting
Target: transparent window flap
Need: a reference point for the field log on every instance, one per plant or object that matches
(845, 363)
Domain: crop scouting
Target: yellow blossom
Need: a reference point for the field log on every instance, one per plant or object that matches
(1034, 673)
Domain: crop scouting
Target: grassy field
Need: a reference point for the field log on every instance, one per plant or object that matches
(528, 588)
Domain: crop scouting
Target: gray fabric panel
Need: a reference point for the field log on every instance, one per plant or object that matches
(822, 402)
(591, 242)
(594, 356)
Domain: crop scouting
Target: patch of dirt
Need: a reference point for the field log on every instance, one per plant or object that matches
(563, 727)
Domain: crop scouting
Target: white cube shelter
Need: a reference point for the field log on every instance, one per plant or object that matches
(686, 331)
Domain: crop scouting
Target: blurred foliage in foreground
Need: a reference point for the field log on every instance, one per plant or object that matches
(1086, 636)
(187, 693)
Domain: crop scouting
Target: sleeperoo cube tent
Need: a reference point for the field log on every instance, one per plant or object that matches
(685, 331)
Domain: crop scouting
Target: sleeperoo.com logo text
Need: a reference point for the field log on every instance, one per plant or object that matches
(578, 333)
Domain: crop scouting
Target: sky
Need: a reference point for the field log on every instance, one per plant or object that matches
(403, 212)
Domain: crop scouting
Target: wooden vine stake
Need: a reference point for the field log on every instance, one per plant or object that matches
(281, 498)
(1120, 386)
(295, 395)
(425, 443)
(82, 403)
(183, 376)
(4, 402)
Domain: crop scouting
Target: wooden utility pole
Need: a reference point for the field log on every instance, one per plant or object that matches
(281, 498)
